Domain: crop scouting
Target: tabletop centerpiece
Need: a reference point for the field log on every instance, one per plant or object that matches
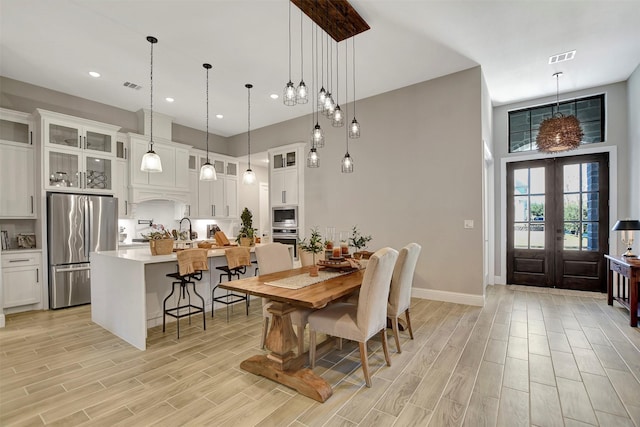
(160, 242)
(315, 245)
(359, 242)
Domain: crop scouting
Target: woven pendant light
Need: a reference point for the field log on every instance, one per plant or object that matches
(559, 132)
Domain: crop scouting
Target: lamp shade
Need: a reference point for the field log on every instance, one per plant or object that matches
(626, 224)
(249, 177)
(208, 172)
(151, 162)
(559, 133)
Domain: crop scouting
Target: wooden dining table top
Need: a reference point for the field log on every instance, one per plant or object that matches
(313, 296)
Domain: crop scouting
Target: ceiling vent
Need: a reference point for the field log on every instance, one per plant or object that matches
(132, 85)
(561, 57)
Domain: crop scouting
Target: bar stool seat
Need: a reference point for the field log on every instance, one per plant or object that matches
(191, 264)
(238, 258)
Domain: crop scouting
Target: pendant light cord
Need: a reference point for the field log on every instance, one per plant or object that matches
(289, 41)
(207, 66)
(301, 49)
(248, 86)
(346, 91)
(353, 41)
(557, 75)
(152, 41)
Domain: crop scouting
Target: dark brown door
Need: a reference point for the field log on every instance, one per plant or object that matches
(557, 222)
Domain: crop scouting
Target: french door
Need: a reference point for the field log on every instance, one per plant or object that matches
(558, 222)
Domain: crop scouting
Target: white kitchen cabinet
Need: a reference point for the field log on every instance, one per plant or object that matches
(79, 154)
(17, 166)
(122, 188)
(219, 198)
(285, 175)
(21, 278)
(175, 161)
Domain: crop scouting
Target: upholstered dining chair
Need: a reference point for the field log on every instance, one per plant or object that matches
(274, 257)
(400, 291)
(359, 322)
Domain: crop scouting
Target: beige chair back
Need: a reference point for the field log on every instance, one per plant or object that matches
(192, 260)
(273, 257)
(374, 292)
(402, 279)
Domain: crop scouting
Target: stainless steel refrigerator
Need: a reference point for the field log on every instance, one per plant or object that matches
(76, 226)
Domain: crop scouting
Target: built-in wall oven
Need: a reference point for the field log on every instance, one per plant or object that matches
(284, 222)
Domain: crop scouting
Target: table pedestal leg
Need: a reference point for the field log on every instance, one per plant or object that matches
(281, 365)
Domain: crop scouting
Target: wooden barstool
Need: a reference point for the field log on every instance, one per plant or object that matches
(191, 264)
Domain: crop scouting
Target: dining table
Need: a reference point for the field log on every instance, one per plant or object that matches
(281, 364)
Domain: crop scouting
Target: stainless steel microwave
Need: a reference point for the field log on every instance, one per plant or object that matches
(285, 216)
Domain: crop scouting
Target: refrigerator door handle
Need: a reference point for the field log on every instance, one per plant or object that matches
(87, 225)
(57, 269)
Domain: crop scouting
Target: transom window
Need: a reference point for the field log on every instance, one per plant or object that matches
(524, 124)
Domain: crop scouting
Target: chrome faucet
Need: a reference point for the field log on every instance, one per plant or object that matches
(190, 231)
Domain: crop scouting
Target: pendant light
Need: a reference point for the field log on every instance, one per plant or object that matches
(302, 95)
(317, 134)
(312, 158)
(559, 132)
(151, 161)
(322, 95)
(249, 176)
(347, 161)
(354, 129)
(207, 171)
(289, 96)
(337, 120)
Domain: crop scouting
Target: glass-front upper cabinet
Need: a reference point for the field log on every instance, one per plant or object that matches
(284, 160)
(60, 130)
(232, 169)
(14, 131)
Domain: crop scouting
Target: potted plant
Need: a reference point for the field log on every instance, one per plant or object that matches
(313, 246)
(359, 242)
(247, 232)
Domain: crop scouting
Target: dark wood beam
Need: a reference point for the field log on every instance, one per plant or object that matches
(336, 17)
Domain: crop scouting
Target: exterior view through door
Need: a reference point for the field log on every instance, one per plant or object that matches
(558, 222)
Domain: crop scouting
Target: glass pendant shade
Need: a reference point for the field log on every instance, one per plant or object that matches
(313, 160)
(354, 129)
(322, 97)
(151, 162)
(289, 96)
(249, 177)
(328, 101)
(347, 164)
(338, 118)
(317, 136)
(208, 172)
(302, 95)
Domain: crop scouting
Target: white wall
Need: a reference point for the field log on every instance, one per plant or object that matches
(633, 88)
(616, 136)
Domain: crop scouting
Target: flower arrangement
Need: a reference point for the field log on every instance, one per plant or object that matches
(357, 240)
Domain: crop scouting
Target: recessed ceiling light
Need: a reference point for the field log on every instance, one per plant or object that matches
(169, 99)
(561, 57)
(274, 96)
(219, 116)
(94, 74)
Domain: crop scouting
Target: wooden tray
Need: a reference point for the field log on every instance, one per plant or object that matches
(327, 264)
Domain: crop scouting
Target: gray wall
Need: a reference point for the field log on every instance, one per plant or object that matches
(21, 96)
(418, 175)
(633, 87)
(616, 132)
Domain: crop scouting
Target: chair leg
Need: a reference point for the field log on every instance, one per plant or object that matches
(300, 330)
(164, 305)
(396, 335)
(385, 347)
(409, 323)
(265, 329)
(312, 348)
(339, 343)
(365, 363)
(204, 317)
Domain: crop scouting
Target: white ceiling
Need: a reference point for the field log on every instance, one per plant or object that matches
(55, 43)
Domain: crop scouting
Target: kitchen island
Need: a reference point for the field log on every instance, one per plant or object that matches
(129, 285)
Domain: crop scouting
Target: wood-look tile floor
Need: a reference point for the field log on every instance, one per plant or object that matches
(529, 357)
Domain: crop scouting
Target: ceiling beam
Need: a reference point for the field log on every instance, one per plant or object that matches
(336, 17)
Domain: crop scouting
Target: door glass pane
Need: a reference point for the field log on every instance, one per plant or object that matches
(521, 181)
(521, 206)
(536, 238)
(98, 142)
(537, 208)
(278, 161)
(571, 235)
(232, 169)
(63, 169)
(590, 206)
(14, 131)
(62, 135)
(218, 165)
(590, 176)
(590, 236)
(521, 235)
(537, 181)
(571, 178)
(192, 162)
(98, 173)
(571, 207)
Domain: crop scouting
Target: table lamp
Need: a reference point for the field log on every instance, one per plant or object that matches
(627, 226)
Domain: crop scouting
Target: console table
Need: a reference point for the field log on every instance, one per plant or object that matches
(628, 270)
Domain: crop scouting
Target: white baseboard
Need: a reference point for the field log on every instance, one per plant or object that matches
(455, 297)
(499, 280)
(1, 320)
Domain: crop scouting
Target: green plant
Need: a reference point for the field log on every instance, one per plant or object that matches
(157, 235)
(246, 230)
(357, 240)
(314, 245)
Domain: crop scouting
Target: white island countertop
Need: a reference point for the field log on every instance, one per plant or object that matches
(143, 255)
